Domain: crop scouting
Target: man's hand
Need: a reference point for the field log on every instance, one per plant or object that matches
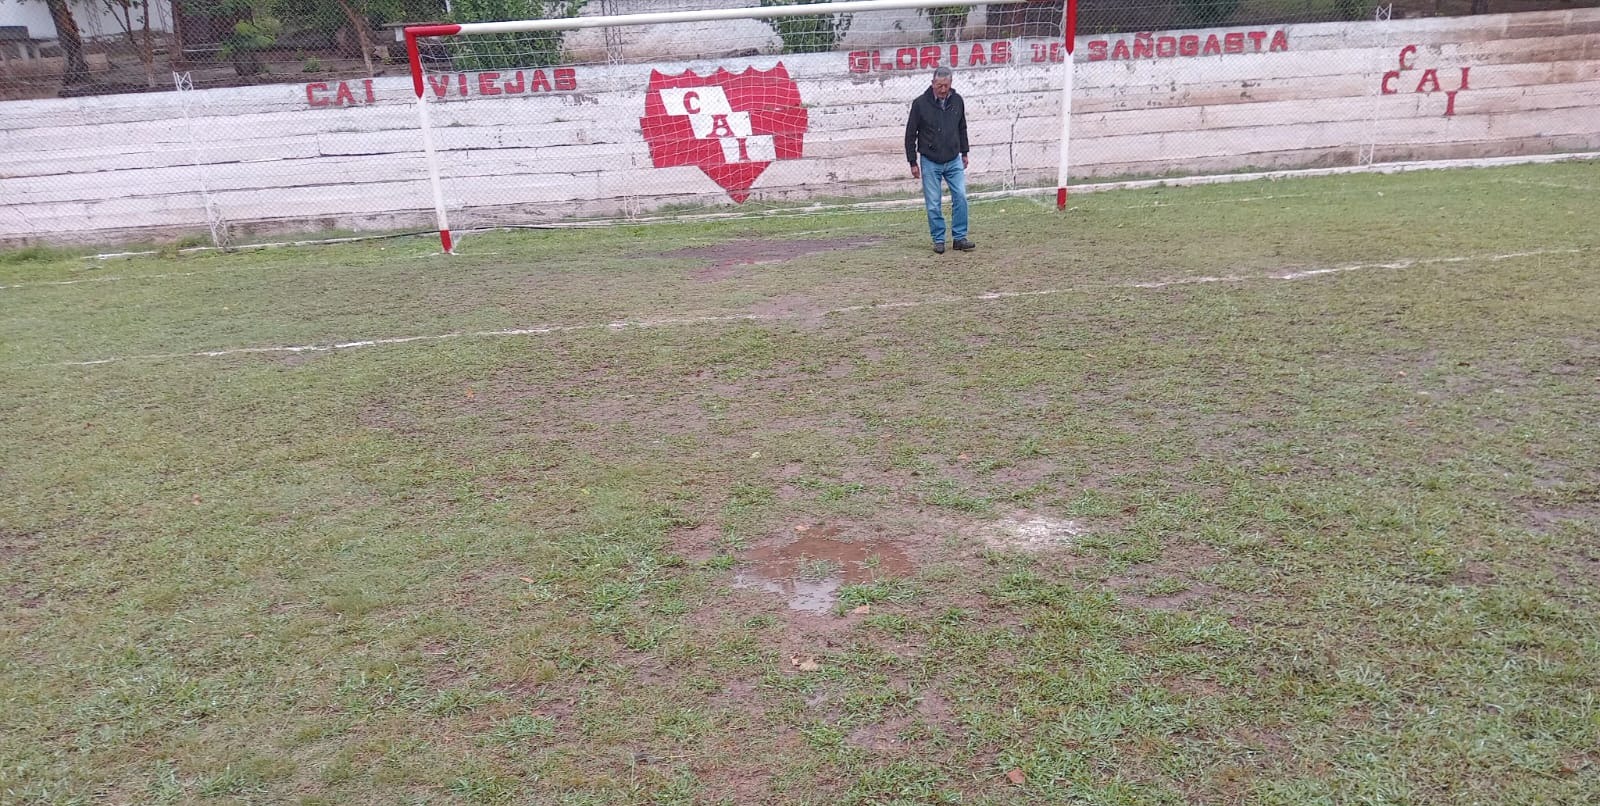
(963, 162)
(916, 171)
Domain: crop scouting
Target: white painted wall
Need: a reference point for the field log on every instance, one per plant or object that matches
(122, 167)
(93, 19)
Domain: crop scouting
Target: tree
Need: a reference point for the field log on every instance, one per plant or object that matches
(527, 49)
(810, 34)
(362, 29)
(947, 21)
(138, 33)
(352, 22)
(77, 71)
(252, 29)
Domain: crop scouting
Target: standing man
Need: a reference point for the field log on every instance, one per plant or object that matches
(936, 147)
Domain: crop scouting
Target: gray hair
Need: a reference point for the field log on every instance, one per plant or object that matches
(942, 72)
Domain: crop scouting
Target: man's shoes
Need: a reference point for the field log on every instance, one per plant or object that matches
(938, 247)
(964, 245)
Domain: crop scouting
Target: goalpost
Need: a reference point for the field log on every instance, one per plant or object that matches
(622, 115)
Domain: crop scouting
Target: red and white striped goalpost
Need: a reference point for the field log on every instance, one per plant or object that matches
(1069, 32)
(413, 51)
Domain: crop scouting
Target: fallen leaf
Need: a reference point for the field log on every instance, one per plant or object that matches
(197, 498)
(471, 394)
(801, 527)
(963, 457)
(1016, 776)
(862, 610)
(528, 580)
(809, 665)
(756, 455)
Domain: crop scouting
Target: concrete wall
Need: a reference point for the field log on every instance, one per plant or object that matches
(552, 145)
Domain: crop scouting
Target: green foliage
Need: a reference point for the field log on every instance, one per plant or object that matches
(527, 49)
(1210, 12)
(1351, 9)
(947, 21)
(327, 18)
(808, 34)
(253, 30)
(254, 34)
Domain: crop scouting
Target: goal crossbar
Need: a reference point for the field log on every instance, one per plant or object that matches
(655, 17)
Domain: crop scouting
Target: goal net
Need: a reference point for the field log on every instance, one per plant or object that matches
(635, 109)
(789, 106)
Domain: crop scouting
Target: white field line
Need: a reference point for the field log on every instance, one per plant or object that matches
(1557, 185)
(110, 278)
(640, 324)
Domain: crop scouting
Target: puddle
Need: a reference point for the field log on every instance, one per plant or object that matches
(810, 571)
(1032, 534)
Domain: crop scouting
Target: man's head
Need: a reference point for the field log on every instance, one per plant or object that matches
(941, 82)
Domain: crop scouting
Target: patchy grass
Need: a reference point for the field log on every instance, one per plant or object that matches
(1332, 540)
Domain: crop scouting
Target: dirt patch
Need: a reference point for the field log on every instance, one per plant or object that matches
(15, 544)
(696, 543)
(1475, 573)
(797, 308)
(1026, 473)
(1176, 600)
(1548, 519)
(22, 598)
(883, 737)
(726, 259)
(810, 570)
(1194, 688)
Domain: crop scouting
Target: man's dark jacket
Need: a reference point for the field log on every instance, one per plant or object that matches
(938, 134)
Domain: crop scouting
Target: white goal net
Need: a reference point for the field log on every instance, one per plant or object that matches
(668, 113)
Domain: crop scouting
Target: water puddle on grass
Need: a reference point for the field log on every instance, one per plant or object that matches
(810, 571)
(1032, 533)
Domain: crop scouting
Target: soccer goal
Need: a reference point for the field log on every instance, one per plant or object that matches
(787, 105)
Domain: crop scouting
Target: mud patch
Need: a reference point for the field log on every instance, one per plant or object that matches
(1551, 519)
(725, 260)
(809, 571)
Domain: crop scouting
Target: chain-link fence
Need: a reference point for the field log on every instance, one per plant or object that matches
(241, 116)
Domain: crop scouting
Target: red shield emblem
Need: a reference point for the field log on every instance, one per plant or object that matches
(730, 126)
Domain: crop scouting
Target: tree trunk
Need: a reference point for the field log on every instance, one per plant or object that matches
(77, 71)
(148, 51)
(359, 24)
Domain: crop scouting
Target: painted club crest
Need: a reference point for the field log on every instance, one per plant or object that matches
(732, 126)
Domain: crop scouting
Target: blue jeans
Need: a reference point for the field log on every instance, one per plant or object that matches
(955, 176)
